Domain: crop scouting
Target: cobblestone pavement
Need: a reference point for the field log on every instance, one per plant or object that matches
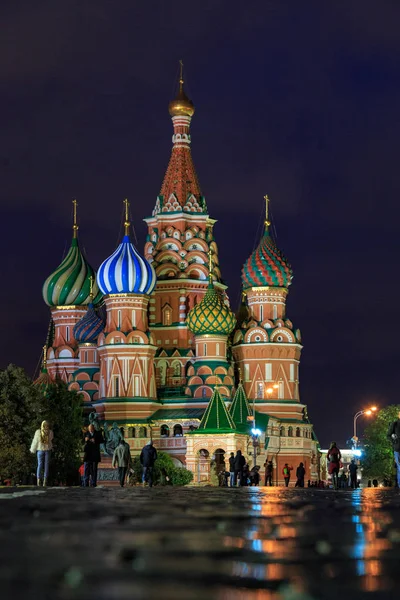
(198, 543)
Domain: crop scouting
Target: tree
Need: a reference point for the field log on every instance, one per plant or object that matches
(63, 409)
(164, 466)
(19, 402)
(378, 457)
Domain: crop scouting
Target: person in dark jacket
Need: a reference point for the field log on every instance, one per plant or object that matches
(148, 457)
(353, 474)
(239, 463)
(268, 472)
(232, 470)
(393, 435)
(300, 474)
(91, 456)
(334, 457)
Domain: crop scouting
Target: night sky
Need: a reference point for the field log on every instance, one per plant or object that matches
(300, 100)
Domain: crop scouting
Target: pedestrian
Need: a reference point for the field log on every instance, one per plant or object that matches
(393, 435)
(300, 474)
(255, 476)
(286, 474)
(334, 456)
(122, 460)
(148, 457)
(353, 474)
(91, 455)
(82, 473)
(268, 472)
(232, 470)
(239, 463)
(245, 475)
(42, 446)
(375, 482)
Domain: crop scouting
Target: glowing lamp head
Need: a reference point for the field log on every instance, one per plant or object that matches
(275, 386)
(374, 408)
(256, 432)
(368, 412)
(357, 453)
(269, 390)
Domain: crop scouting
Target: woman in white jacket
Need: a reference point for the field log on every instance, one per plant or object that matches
(42, 445)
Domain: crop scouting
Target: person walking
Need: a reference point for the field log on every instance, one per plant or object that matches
(300, 474)
(393, 435)
(286, 474)
(122, 460)
(334, 456)
(353, 474)
(91, 456)
(269, 468)
(232, 470)
(148, 457)
(42, 445)
(239, 463)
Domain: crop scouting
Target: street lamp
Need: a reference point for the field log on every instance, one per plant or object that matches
(368, 412)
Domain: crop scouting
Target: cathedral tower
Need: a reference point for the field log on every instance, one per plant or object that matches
(180, 234)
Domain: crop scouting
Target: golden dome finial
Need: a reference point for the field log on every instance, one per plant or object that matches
(181, 106)
(126, 223)
(75, 226)
(267, 201)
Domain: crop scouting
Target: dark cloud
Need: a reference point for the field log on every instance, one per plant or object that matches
(300, 101)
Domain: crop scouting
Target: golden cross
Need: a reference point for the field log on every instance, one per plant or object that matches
(181, 74)
(75, 225)
(210, 265)
(91, 287)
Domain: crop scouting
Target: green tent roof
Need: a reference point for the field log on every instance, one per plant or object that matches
(240, 409)
(216, 417)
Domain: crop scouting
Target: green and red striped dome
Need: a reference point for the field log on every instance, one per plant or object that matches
(266, 266)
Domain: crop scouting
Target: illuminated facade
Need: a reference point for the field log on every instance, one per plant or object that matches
(152, 344)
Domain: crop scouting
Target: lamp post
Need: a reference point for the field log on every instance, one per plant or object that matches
(368, 412)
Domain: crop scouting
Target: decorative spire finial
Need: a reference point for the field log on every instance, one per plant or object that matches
(126, 223)
(75, 225)
(181, 75)
(267, 201)
(91, 288)
(240, 374)
(44, 362)
(210, 266)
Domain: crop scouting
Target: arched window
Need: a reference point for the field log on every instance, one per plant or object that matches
(177, 368)
(282, 432)
(131, 432)
(290, 432)
(298, 433)
(167, 315)
(178, 431)
(142, 432)
(164, 431)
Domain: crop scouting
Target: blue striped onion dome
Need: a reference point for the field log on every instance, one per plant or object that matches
(88, 329)
(126, 272)
(69, 285)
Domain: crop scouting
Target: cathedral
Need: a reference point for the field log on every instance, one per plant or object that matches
(151, 343)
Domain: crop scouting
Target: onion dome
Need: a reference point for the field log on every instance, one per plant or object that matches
(266, 266)
(89, 327)
(211, 315)
(69, 285)
(126, 271)
(181, 105)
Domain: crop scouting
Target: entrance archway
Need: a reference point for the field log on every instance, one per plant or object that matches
(203, 466)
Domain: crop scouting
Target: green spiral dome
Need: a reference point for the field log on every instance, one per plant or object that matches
(211, 315)
(69, 285)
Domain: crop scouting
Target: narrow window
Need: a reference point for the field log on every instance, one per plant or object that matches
(116, 386)
(67, 333)
(275, 311)
(261, 312)
(204, 349)
(217, 349)
(133, 318)
(119, 319)
(246, 372)
(281, 390)
(268, 371)
(260, 390)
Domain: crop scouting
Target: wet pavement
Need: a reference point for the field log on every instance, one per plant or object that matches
(198, 543)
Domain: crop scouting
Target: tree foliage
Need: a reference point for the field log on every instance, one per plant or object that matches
(378, 459)
(63, 410)
(19, 403)
(23, 406)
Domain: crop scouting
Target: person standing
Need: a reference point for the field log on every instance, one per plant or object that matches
(42, 446)
(148, 457)
(232, 470)
(333, 457)
(353, 474)
(239, 463)
(268, 472)
(393, 435)
(286, 474)
(91, 455)
(300, 474)
(122, 460)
